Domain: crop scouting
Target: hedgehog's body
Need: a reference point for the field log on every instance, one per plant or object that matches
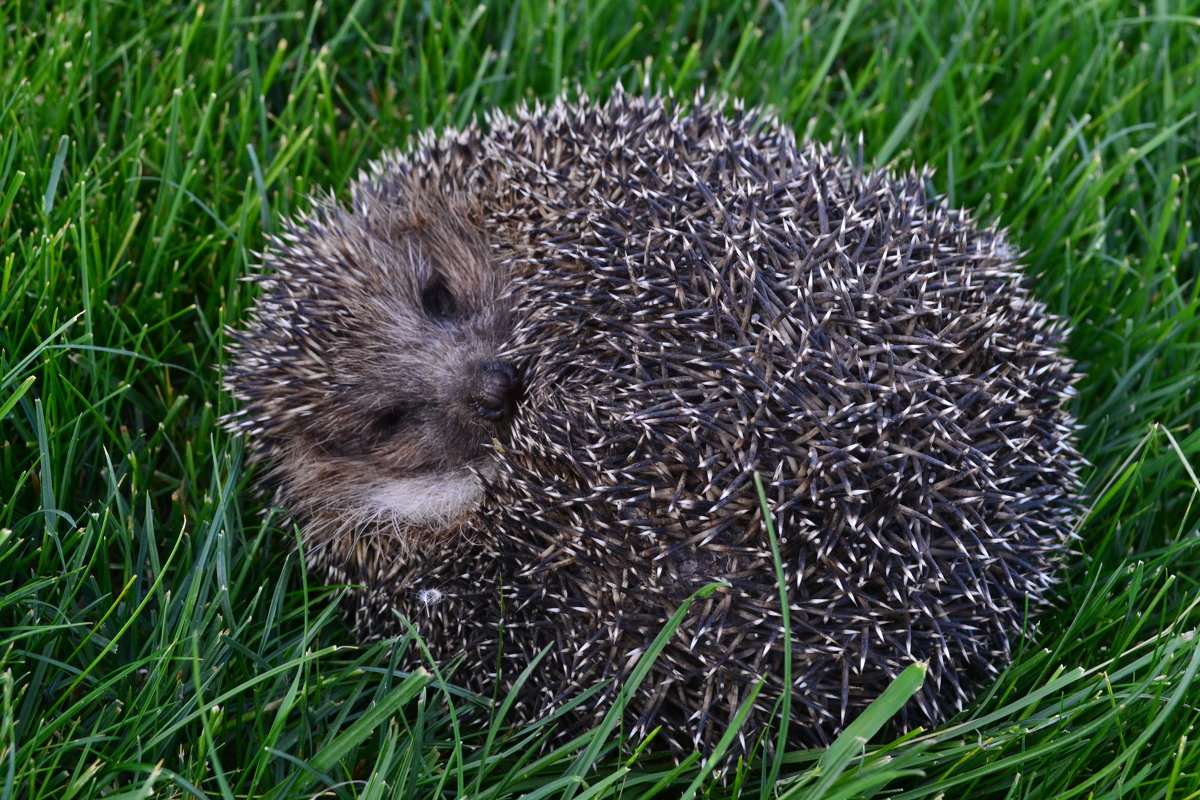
(639, 308)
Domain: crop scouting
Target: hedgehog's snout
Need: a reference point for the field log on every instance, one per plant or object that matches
(495, 391)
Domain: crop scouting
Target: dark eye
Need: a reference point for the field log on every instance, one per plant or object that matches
(393, 418)
(437, 300)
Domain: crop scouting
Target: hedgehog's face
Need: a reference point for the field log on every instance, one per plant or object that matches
(372, 374)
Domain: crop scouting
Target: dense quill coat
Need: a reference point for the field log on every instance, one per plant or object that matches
(519, 388)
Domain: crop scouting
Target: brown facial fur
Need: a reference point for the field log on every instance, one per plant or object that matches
(364, 355)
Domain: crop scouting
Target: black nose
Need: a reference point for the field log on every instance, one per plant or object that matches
(497, 388)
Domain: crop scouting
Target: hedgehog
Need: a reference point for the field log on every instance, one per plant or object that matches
(517, 390)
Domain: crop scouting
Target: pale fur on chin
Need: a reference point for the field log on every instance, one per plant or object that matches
(430, 499)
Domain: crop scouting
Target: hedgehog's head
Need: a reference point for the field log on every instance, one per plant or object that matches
(368, 372)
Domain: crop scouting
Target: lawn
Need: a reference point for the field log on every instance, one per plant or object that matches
(158, 636)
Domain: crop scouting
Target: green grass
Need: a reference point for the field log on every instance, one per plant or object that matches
(157, 635)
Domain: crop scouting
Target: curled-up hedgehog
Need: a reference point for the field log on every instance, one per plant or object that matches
(516, 392)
